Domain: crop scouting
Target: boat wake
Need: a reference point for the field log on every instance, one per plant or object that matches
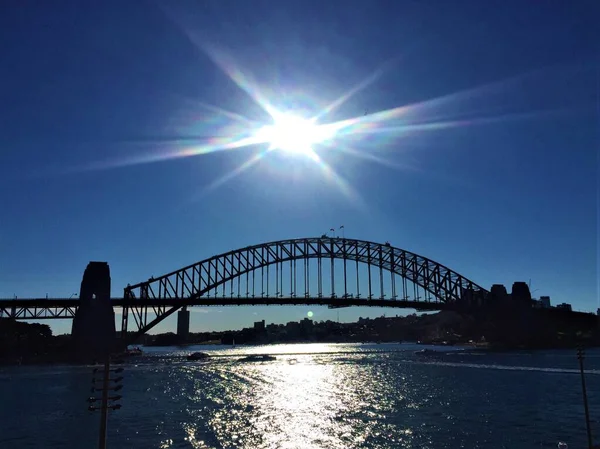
(508, 367)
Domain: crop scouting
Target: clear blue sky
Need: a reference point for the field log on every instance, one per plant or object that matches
(491, 169)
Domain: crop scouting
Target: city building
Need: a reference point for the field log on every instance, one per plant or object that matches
(183, 323)
(545, 302)
(306, 324)
(565, 306)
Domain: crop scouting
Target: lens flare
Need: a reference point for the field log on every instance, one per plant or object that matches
(315, 133)
(292, 134)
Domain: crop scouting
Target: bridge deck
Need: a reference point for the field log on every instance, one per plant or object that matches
(63, 308)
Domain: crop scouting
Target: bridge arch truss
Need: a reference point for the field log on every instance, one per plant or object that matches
(337, 272)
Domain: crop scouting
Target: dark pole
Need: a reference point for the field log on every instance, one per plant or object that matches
(585, 403)
(106, 388)
(104, 406)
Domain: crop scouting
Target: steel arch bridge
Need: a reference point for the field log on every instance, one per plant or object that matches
(338, 272)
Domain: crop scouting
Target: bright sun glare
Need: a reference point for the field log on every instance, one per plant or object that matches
(292, 134)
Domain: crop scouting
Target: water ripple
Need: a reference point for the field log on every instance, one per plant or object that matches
(312, 396)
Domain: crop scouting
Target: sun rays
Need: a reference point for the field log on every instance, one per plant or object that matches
(296, 134)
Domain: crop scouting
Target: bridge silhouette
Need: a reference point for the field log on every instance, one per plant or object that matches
(328, 271)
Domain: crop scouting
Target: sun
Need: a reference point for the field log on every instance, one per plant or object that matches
(292, 134)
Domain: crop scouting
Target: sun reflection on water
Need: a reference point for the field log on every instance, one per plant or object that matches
(300, 408)
(310, 403)
(352, 398)
(312, 396)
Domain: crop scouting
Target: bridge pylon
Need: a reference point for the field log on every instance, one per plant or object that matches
(93, 331)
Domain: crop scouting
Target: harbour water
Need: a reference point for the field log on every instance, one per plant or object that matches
(311, 396)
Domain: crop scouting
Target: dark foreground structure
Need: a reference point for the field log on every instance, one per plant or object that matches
(94, 333)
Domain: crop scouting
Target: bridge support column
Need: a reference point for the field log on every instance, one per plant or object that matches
(93, 331)
(183, 323)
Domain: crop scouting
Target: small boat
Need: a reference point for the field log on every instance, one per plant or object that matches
(426, 352)
(198, 356)
(129, 353)
(259, 358)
